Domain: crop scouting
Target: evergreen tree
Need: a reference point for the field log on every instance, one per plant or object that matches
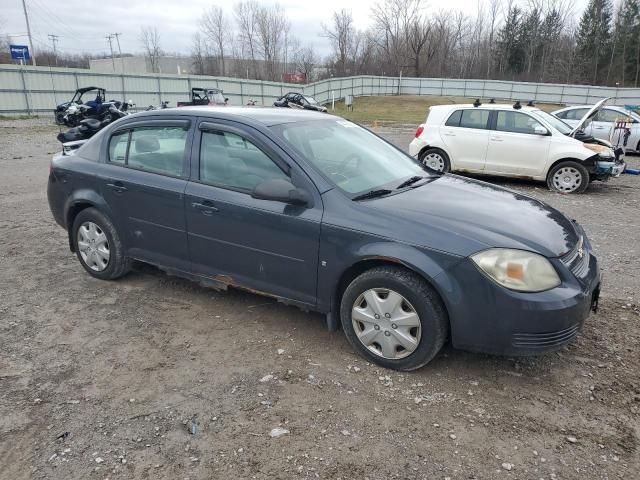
(511, 52)
(594, 41)
(627, 49)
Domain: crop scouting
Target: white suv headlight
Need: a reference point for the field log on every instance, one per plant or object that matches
(517, 269)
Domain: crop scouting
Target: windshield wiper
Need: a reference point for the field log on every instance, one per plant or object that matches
(409, 181)
(381, 192)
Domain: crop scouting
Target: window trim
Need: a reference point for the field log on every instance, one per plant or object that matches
(487, 125)
(212, 127)
(130, 127)
(451, 115)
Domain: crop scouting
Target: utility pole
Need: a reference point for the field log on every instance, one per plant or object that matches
(117, 35)
(54, 40)
(113, 62)
(26, 17)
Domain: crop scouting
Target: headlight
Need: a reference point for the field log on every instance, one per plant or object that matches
(600, 150)
(517, 269)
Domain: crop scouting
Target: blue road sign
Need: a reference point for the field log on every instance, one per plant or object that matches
(19, 52)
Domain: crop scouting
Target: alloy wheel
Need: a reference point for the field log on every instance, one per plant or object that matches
(93, 246)
(386, 323)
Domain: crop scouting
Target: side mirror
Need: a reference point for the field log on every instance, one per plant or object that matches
(540, 130)
(279, 190)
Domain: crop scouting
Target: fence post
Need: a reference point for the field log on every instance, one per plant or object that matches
(159, 91)
(262, 92)
(241, 94)
(124, 93)
(26, 93)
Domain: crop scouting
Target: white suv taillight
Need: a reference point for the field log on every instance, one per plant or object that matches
(419, 131)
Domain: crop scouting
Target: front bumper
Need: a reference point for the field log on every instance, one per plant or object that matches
(489, 318)
(608, 168)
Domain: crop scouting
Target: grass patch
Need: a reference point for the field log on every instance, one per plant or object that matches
(17, 117)
(405, 109)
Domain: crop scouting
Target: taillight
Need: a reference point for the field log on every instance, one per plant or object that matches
(419, 131)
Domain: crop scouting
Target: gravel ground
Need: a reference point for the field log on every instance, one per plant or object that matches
(156, 377)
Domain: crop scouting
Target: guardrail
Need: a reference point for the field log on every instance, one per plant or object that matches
(33, 90)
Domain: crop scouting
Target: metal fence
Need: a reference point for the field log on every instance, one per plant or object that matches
(34, 90)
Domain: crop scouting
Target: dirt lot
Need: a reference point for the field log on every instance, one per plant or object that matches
(154, 377)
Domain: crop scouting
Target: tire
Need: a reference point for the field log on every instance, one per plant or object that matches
(577, 177)
(420, 317)
(435, 159)
(92, 254)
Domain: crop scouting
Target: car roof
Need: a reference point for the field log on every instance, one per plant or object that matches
(266, 115)
(488, 106)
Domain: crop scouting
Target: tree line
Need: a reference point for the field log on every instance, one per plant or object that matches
(538, 41)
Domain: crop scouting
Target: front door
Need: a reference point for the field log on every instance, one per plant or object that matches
(515, 149)
(143, 182)
(263, 245)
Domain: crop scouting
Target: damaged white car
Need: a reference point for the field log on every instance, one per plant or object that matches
(514, 141)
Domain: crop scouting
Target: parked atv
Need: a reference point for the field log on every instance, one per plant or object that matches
(205, 96)
(94, 105)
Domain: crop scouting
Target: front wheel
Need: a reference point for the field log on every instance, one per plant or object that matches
(394, 318)
(568, 177)
(435, 159)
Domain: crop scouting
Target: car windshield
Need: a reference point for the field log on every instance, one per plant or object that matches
(555, 122)
(311, 100)
(353, 158)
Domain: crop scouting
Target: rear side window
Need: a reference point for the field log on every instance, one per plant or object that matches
(575, 114)
(118, 148)
(230, 161)
(474, 118)
(153, 149)
(454, 119)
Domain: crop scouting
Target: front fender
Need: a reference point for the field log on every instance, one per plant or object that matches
(343, 253)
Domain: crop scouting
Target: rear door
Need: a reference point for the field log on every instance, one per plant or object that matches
(143, 181)
(466, 136)
(514, 147)
(258, 244)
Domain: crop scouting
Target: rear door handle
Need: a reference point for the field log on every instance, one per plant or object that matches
(449, 134)
(206, 207)
(117, 186)
(497, 139)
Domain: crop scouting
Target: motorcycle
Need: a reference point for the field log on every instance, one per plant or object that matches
(88, 127)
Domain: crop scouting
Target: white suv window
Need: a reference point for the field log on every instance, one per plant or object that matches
(516, 122)
(474, 118)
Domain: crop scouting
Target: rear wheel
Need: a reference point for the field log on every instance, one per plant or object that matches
(98, 246)
(394, 318)
(435, 159)
(568, 177)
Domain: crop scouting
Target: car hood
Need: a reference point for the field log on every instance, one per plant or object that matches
(463, 216)
(588, 116)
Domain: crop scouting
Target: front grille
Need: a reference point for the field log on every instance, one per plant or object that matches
(545, 340)
(577, 260)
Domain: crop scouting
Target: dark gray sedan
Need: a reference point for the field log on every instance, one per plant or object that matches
(321, 213)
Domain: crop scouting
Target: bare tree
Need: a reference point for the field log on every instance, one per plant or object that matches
(216, 27)
(272, 30)
(246, 14)
(341, 34)
(306, 59)
(150, 39)
(198, 54)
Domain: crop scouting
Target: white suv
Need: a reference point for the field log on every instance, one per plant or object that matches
(513, 141)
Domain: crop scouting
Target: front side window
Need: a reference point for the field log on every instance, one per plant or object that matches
(611, 116)
(474, 118)
(153, 149)
(516, 122)
(230, 161)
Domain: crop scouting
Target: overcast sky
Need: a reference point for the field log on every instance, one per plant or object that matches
(82, 25)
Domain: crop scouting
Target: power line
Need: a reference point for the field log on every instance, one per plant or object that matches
(54, 40)
(113, 62)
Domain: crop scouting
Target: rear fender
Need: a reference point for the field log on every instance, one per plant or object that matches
(78, 201)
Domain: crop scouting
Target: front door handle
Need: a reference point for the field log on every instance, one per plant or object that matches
(449, 134)
(117, 186)
(206, 207)
(496, 139)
